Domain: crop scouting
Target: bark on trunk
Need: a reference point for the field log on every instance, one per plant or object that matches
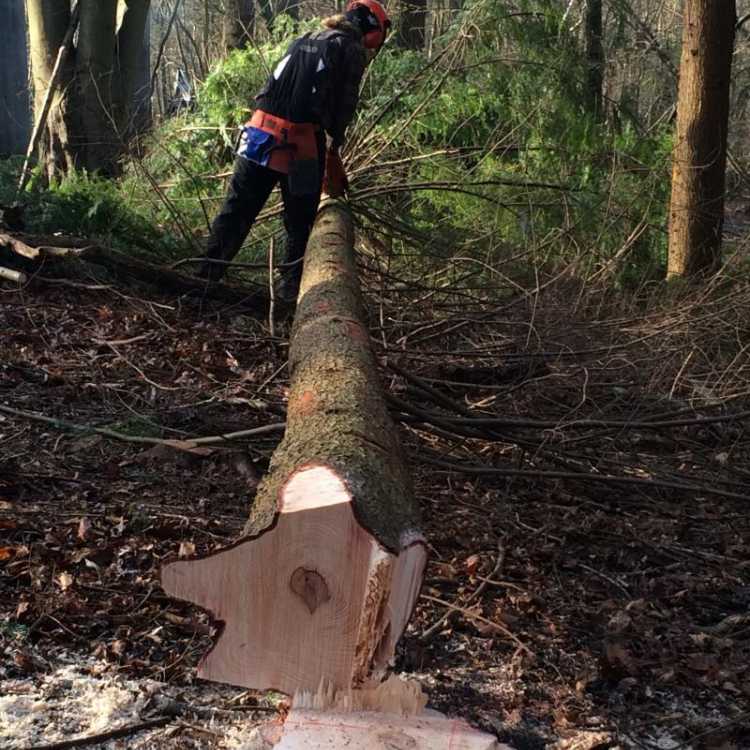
(290, 7)
(699, 166)
(594, 57)
(324, 587)
(98, 140)
(133, 86)
(412, 23)
(239, 23)
(15, 113)
(48, 22)
(103, 78)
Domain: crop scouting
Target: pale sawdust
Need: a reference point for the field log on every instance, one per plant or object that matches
(78, 699)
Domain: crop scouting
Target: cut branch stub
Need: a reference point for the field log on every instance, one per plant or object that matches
(322, 588)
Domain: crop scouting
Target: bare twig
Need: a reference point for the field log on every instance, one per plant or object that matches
(473, 596)
(112, 734)
(701, 489)
(474, 616)
(186, 444)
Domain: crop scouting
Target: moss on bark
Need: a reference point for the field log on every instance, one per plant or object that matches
(337, 415)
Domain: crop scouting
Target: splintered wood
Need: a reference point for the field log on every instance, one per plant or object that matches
(387, 716)
(322, 587)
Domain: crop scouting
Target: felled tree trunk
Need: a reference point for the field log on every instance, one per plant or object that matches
(696, 213)
(322, 588)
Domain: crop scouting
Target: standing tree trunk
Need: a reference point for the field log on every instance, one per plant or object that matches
(133, 89)
(411, 27)
(289, 7)
(699, 165)
(14, 100)
(103, 80)
(594, 58)
(48, 22)
(98, 139)
(239, 23)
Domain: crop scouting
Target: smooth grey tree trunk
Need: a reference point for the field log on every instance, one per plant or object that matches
(98, 141)
(15, 112)
(133, 90)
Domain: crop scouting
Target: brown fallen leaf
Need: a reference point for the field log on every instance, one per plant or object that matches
(23, 661)
(84, 526)
(187, 549)
(7, 553)
(471, 564)
(65, 580)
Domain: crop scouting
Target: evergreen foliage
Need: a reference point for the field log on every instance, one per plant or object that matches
(498, 117)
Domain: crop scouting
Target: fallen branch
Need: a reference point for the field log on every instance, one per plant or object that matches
(32, 248)
(474, 616)
(112, 734)
(187, 444)
(10, 275)
(480, 422)
(583, 477)
(473, 596)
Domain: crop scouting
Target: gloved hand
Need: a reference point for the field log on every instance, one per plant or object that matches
(335, 182)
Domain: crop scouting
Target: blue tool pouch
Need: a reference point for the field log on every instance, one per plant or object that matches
(256, 145)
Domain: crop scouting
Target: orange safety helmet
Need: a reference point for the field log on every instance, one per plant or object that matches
(379, 22)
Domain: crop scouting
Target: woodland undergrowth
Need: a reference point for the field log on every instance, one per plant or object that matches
(485, 147)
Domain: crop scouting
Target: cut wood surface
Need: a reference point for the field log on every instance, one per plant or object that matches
(323, 587)
(10, 275)
(312, 730)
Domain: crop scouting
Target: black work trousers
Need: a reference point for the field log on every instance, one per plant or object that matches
(249, 189)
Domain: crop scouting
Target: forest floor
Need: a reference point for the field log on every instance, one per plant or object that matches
(597, 598)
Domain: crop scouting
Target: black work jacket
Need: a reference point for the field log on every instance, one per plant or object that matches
(318, 81)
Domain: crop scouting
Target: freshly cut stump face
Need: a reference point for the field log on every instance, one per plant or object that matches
(313, 599)
(311, 730)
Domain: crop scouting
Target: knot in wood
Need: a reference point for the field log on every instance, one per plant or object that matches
(311, 587)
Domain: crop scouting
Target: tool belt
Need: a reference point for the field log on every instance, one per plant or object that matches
(289, 143)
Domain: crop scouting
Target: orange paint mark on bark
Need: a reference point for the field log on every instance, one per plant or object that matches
(306, 404)
(356, 331)
(323, 307)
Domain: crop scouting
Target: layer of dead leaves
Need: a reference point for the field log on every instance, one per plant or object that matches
(584, 616)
